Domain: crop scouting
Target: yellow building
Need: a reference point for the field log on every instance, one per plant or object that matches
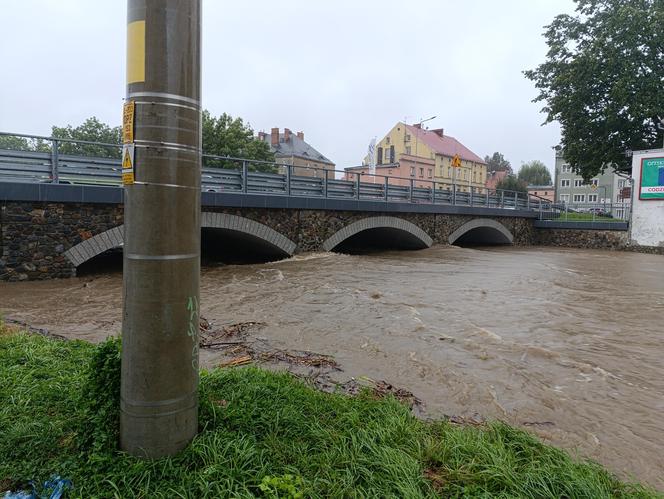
(428, 155)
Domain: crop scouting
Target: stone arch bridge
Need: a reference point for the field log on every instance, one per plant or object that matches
(46, 238)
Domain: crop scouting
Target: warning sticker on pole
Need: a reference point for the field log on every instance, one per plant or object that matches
(128, 164)
(128, 122)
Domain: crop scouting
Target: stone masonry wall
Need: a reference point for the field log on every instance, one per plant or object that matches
(591, 239)
(580, 238)
(34, 236)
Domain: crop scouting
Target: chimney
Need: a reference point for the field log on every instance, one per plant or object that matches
(261, 136)
(417, 125)
(438, 131)
(275, 137)
(287, 134)
(300, 135)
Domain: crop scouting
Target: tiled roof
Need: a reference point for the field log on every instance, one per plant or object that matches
(295, 147)
(445, 145)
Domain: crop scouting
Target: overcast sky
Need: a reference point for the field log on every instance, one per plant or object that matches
(341, 71)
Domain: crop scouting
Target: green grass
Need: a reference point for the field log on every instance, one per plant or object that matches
(261, 434)
(584, 217)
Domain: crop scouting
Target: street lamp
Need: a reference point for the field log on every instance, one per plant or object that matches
(420, 127)
(417, 134)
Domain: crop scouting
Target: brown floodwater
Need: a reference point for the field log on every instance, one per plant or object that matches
(565, 343)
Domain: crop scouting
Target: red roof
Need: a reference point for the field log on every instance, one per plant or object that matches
(445, 145)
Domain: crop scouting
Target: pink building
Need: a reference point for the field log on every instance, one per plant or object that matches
(421, 170)
(543, 191)
(493, 178)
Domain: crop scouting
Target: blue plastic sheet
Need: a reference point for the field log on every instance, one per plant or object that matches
(52, 489)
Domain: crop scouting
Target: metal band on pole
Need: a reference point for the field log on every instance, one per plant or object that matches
(159, 388)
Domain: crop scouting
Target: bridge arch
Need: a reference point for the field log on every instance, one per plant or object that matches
(402, 233)
(114, 238)
(256, 231)
(481, 231)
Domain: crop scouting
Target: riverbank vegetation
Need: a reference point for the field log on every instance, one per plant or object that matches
(262, 434)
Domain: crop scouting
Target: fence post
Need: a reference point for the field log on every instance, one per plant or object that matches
(411, 190)
(502, 199)
(245, 177)
(454, 189)
(433, 193)
(471, 196)
(540, 208)
(528, 201)
(325, 184)
(288, 177)
(387, 187)
(54, 162)
(516, 200)
(357, 186)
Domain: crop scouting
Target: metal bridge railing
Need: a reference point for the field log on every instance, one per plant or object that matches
(587, 212)
(52, 160)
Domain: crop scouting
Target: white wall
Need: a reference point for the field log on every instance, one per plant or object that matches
(647, 225)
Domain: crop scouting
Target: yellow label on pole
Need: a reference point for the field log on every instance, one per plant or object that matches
(128, 122)
(136, 52)
(128, 164)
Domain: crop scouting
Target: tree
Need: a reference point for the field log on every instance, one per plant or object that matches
(14, 143)
(602, 81)
(497, 163)
(534, 173)
(228, 136)
(511, 183)
(92, 130)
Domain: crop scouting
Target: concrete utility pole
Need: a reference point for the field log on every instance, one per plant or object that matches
(162, 119)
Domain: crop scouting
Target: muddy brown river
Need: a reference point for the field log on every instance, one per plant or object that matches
(565, 343)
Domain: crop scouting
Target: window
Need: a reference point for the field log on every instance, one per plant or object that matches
(594, 182)
(430, 173)
(621, 184)
(578, 182)
(407, 149)
(412, 171)
(407, 137)
(579, 198)
(564, 182)
(566, 169)
(449, 172)
(564, 198)
(391, 154)
(421, 172)
(389, 172)
(592, 198)
(387, 140)
(380, 156)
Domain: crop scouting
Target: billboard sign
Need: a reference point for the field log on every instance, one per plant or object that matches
(652, 178)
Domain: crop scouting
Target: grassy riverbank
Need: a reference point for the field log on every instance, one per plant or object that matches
(262, 434)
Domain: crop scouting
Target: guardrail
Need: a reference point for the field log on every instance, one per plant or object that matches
(65, 161)
(587, 212)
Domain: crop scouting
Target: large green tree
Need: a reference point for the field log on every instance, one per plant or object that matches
(512, 183)
(91, 130)
(497, 163)
(228, 136)
(534, 173)
(602, 81)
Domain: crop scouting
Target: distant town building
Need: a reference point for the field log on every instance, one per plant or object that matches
(543, 191)
(605, 189)
(411, 152)
(493, 178)
(291, 149)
